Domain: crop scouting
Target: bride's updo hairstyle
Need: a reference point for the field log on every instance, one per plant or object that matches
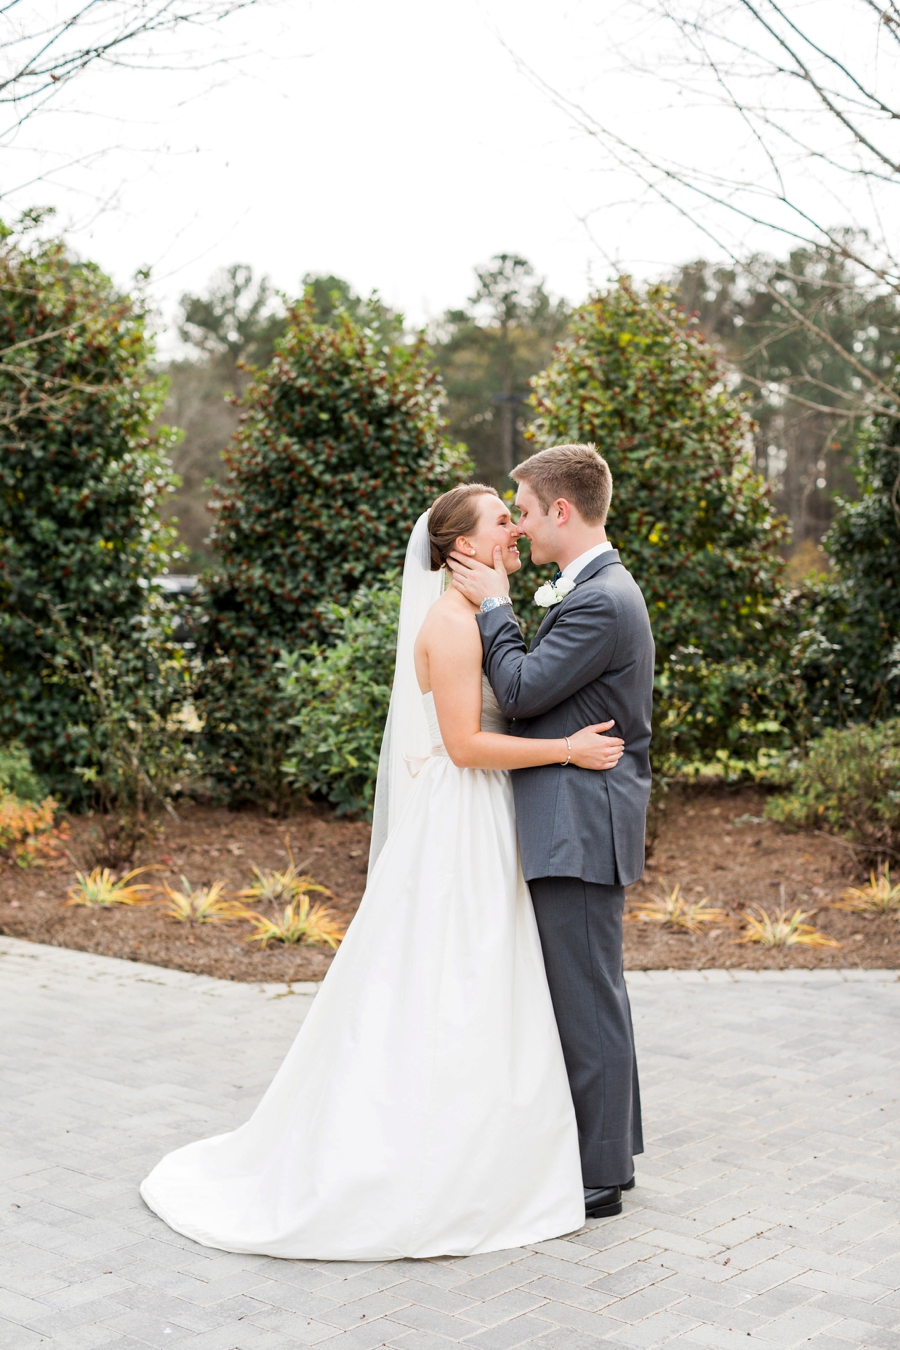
(454, 514)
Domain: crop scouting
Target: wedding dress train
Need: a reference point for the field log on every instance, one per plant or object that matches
(423, 1108)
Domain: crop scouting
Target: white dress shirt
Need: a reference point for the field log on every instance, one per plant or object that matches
(577, 565)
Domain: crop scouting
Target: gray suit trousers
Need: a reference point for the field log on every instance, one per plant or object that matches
(580, 925)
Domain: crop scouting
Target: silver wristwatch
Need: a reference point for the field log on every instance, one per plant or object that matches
(494, 602)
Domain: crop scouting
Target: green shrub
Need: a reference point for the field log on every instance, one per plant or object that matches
(848, 784)
(849, 652)
(135, 742)
(81, 476)
(28, 833)
(736, 719)
(340, 450)
(690, 516)
(340, 695)
(17, 776)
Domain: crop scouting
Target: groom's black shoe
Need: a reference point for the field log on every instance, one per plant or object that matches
(629, 1185)
(602, 1201)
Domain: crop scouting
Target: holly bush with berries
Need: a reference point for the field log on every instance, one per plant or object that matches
(340, 449)
(690, 515)
(82, 472)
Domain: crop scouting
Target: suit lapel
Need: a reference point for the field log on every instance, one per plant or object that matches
(590, 570)
(597, 564)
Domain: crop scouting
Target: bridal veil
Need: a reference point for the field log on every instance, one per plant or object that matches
(406, 735)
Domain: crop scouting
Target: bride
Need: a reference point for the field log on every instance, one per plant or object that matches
(423, 1108)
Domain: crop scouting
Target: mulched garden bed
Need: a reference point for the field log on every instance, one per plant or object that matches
(712, 843)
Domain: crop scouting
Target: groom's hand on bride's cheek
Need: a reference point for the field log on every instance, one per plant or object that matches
(474, 580)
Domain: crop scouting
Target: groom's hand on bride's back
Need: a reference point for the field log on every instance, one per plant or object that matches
(474, 580)
(592, 750)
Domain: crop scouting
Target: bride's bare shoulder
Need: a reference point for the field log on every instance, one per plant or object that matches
(448, 640)
(450, 617)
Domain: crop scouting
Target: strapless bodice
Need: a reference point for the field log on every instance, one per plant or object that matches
(492, 718)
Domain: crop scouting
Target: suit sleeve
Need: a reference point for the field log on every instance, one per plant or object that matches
(578, 649)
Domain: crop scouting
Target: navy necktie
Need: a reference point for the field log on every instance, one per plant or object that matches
(556, 578)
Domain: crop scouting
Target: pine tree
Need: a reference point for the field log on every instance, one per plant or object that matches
(340, 450)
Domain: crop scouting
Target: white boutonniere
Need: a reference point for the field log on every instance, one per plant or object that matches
(552, 592)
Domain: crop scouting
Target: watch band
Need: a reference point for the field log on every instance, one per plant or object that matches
(494, 602)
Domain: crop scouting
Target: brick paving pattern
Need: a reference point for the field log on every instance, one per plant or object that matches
(767, 1205)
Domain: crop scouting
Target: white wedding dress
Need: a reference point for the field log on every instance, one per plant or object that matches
(423, 1108)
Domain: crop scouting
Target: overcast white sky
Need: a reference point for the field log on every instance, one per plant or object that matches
(396, 144)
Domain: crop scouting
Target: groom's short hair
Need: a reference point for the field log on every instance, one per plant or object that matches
(576, 472)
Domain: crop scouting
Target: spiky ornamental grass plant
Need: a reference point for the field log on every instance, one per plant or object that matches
(274, 886)
(690, 515)
(341, 449)
(881, 896)
(200, 904)
(782, 929)
(299, 922)
(81, 475)
(673, 910)
(99, 888)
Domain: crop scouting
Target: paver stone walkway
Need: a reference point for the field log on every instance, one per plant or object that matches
(767, 1209)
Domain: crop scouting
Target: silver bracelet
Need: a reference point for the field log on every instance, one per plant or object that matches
(564, 762)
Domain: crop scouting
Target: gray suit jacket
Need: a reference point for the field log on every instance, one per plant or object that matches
(591, 660)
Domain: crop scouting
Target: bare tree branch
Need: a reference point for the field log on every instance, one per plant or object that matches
(751, 63)
(751, 57)
(890, 21)
(595, 129)
(37, 60)
(786, 392)
(830, 103)
(867, 94)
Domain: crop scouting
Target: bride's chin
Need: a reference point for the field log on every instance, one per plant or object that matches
(513, 564)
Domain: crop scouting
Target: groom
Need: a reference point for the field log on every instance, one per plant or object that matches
(581, 833)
